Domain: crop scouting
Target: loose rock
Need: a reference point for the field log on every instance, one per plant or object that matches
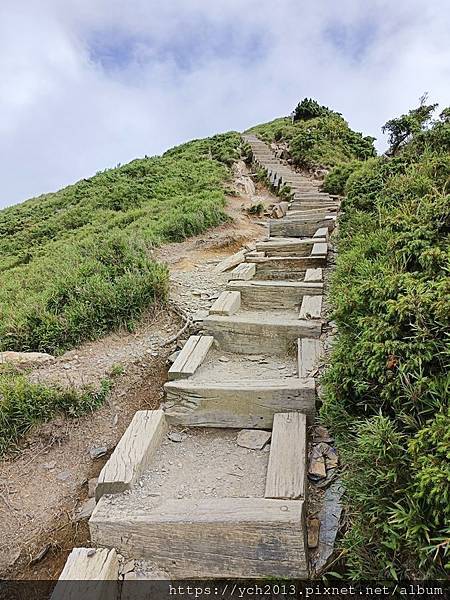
(255, 439)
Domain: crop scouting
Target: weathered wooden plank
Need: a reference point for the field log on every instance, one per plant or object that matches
(228, 303)
(191, 356)
(89, 574)
(287, 228)
(294, 265)
(319, 249)
(298, 247)
(269, 294)
(243, 272)
(311, 307)
(312, 275)
(309, 352)
(217, 537)
(198, 355)
(230, 261)
(133, 452)
(254, 332)
(286, 473)
(246, 404)
(322, 232)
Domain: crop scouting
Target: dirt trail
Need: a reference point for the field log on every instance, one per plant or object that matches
(42, 485)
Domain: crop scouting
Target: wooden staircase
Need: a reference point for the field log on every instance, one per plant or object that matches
(251, 367)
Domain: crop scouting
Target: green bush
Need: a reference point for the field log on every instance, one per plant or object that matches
(336, 179)
(310, 109)
(22, 404)
(389, 367)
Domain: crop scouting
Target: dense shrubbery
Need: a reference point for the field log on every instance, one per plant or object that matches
(77, 263)
(388, 386)
(319, 137)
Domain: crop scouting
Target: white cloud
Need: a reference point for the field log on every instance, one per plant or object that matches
(86, 85)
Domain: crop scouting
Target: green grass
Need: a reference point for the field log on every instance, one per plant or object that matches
(322, 141)
(77, 263)
(23, 404)
(387, 389)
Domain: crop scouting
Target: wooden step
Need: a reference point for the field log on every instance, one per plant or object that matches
(246, 403)
(211, 537)
(311, 307)
(309, 352)
(230, 261)
(268, 294)
(290, 266)
(191, 356)
(313, 275)
(253, 332)
(319, 249)
(291, 228)
(228, 303)
(243, 272)
(281, 246)
(133, 452)
(286, 473)
(322, 232)
(96, 573)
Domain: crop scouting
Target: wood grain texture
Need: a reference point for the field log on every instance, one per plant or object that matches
(191, 356)
(309, 352)
(311, 307)
(312, 275)
(253, 333)
(286, 473)
(270, 294)
(133, 452)
(319, 249)
(88, 576)
(230, 261)
(243, 272)
(220, 537)
(285, 228)
(228, 303)
(246, 404)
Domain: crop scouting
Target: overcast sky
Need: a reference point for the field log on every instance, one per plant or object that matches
(86, 84)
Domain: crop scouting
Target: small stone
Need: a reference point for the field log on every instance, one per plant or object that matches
(49, 465)
(175, 436)
(63, 475)
(90, 552)
(200, 316)
(173, 357)
(224, 359)
(98, 452)
(284, 508)
(92, 484)
(255, 439)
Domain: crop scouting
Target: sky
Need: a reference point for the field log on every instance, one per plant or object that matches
(88, 84)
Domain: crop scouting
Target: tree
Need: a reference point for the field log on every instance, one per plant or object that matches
(310, 109)
(401, 130)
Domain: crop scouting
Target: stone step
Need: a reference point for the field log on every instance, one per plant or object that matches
(237, 404)
(253, 332)
(269, 295)
(313, 275)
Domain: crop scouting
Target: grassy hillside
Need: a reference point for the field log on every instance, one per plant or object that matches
(76, 263)
(388, 387)
(317, 137)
